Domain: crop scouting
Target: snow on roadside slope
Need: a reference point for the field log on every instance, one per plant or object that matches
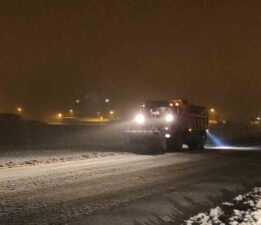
(30, 158)
(242, 210)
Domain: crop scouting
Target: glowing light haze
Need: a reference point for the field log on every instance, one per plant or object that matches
(53, 52)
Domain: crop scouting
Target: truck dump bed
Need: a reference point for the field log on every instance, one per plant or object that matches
(197, 117)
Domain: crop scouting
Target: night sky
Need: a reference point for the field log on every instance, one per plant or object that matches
(208, 52)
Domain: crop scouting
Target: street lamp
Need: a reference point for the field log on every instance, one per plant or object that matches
(59, 115)
(77, 101)
(107, 100)
(111, 112)
(19, 109)
(212, 110)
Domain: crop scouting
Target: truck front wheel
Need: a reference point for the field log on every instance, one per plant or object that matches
(174, 144)
(198, 141)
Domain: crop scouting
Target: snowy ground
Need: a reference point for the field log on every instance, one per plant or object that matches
(96, 187)
(242, 210)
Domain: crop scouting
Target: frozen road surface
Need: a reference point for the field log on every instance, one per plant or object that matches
(124, 188)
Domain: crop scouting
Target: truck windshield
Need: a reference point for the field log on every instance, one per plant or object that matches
(158, 111)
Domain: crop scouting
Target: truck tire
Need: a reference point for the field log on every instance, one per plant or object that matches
(174, 144)
(199, 142)
(193, 145)
(203, 140)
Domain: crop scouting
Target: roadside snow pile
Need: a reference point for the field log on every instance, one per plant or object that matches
(31, 158)
(242, 210)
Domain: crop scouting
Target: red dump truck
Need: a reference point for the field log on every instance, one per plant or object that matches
(173, 122)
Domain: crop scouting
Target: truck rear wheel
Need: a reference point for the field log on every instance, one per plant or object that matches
(203, 140)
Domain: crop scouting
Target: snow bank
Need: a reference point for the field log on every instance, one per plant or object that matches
(31, 158)
(242, 210)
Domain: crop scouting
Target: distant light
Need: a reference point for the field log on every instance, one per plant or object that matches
(171, 105)
(190, 129)
(167, 135)
(59, 115)
(166, 128)
(77, 100)
(111, 112)
(177, 104)
(207, 130)
(107, 100)
(101, 118)
(143, 105)
(71, 111)
(212, 110)
(258, 118)
(19, 109)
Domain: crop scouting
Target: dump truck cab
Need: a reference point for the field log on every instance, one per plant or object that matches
(175, 121)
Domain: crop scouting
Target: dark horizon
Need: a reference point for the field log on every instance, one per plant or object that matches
(206, 52)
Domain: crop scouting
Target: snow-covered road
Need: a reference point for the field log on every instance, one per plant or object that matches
(112, 188)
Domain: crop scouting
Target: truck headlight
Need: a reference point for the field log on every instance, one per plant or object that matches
(140, 119)
(169, 118)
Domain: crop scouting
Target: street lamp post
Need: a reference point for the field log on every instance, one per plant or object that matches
(71, 112)
(112, 113)
(77, 110)
(107, 101)
(213, 115)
